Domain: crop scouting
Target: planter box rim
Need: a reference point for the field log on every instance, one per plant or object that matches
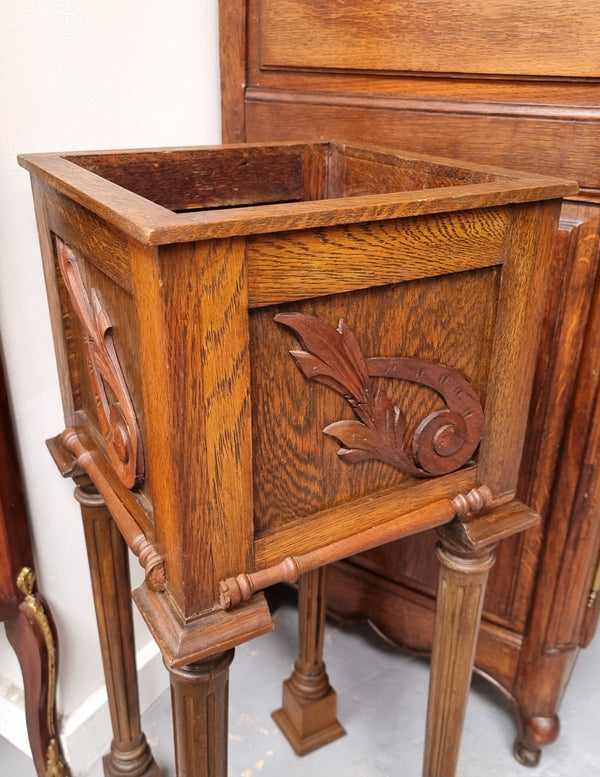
(154, 224)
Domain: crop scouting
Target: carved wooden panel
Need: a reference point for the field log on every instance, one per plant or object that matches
(442, 442)
(411, 319)
(345, 79)
(511, 582)
(115, 411)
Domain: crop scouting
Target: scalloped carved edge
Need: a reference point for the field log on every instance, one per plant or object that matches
(117, 419)
(443, 441)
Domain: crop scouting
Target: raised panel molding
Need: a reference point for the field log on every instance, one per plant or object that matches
(432, 36)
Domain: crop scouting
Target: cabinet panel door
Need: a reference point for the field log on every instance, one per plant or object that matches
(436, 36)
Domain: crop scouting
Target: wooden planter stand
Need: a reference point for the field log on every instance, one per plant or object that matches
(409, 291)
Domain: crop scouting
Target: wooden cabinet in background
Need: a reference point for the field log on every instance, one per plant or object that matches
(512, 84)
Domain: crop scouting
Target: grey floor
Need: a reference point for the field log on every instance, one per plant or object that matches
(381, 703)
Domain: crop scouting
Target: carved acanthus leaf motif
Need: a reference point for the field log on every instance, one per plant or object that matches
(442, 442)
(116, 417)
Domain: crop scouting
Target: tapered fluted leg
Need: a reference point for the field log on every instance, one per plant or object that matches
(308, 713)
(130, 754)
(199, 700)
(461, 588)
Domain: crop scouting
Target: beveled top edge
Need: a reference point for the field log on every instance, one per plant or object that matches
(154, 224)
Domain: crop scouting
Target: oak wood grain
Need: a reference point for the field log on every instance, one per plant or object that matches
(389, 322)
(153, 224)
(297, 265)
(534, 123)
(522, 137)
(352, 37)
(237, 468)
(205, 404)
(232, 60)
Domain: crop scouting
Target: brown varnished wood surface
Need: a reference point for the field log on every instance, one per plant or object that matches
(331, 525)
(181, 180)
(288, 265)
(200, 694)
(307, 716)
(434, 514)
(109, 571)
(462, 583)
(387, 320)
(146, 292)
(233, 466)
(206, 408)
(308, 35)
(405, 617)
(147, 221)
(517, 355)
(526, 143)
(540, 113)
(511, 583)
(15, 542)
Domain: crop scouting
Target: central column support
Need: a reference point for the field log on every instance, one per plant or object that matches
(307, 717)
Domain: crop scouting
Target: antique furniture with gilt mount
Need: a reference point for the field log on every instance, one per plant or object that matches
(502, 83)
(27, 618)
(409, 291)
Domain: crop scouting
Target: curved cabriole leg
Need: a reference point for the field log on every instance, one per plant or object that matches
(33, 638)
(307, 717)
(461, 588)
(199, 702)
(130, 754)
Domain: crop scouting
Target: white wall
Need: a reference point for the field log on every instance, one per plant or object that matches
(74, 76)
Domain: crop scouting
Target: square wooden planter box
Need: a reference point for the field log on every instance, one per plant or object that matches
(273, 357)
(180, 279)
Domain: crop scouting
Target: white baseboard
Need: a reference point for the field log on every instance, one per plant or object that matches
(86, 732)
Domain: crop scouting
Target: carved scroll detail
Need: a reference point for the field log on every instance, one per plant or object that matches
(442, 442)
(116, 417)
(67, 445)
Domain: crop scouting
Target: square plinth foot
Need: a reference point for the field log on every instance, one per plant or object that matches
(308, 724)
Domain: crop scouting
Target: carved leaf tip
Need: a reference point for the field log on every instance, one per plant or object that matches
(361, 442)
(332, 356)
(316, 369)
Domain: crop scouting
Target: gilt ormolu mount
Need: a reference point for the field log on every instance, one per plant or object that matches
(442, 442)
